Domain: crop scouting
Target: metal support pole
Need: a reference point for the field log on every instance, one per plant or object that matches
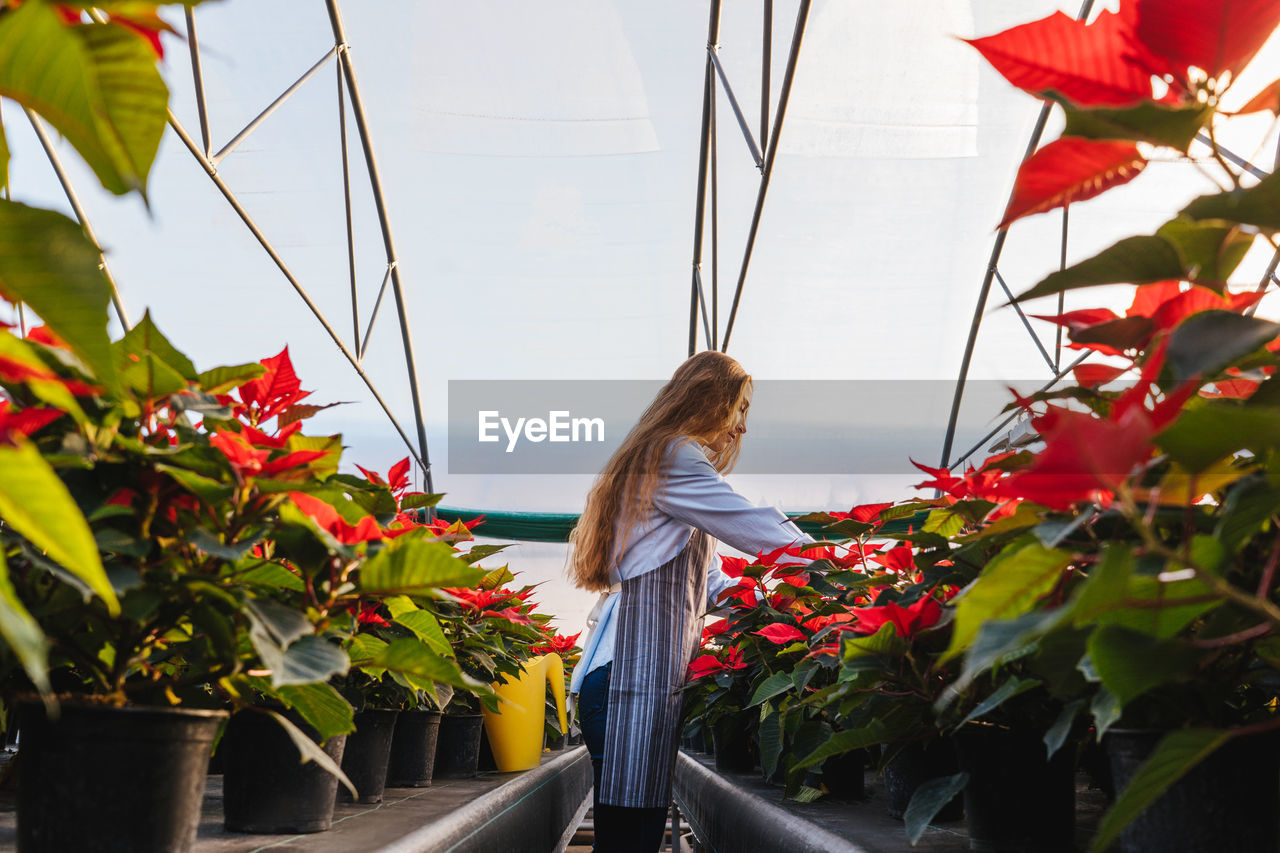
(737, 110)
(197, 74)
(346, 198)
(362, 125)
(1027, 323)
(1062, 265)
(377, 306)
(766, 65)
(1206, 140)
(715, 231)
(1004, 423)
(212, 171)
(70, 193)
(802, 16)
(985, 290)
(272, 107)
(699, 215)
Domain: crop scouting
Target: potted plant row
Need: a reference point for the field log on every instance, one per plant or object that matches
(1109, 590)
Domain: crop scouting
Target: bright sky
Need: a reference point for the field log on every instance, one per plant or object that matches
(540, 161)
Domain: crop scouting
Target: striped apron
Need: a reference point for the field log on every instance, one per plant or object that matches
(659, 626)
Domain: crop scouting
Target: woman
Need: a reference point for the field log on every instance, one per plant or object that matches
(645, 538)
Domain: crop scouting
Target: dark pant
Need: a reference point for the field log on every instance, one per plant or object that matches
(619, 829)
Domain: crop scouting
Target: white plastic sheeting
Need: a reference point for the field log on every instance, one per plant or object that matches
(540, 163)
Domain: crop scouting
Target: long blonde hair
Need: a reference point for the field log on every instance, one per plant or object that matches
(699, 403)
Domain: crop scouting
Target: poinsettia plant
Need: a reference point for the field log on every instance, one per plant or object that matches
(1146, 525)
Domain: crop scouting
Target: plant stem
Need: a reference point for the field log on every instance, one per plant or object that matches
(1269, 572)
(1259, 630)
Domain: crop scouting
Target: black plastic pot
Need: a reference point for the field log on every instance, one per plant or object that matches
(458, 748)
(413, 750)
(486, 761)
(915, 764)
(1229, 801)
(266, 787)
(733, 748)
(1016, 800)
(843, 775)
(112, 779)
(365, 757)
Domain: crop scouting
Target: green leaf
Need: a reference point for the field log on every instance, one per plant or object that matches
(1056, 736)
(1210, 250)
(425, 627)
(1105, 707)
(364, 649)
(1129, 663)
(46, 67)
(307, 660)
(271, 575)
(21, 631)
(1012, 687)
(1205, 435)
(423, 667)
(209, 543)
(1008, 587)
(944, 522)
(145, 339)
(999, 641)
(281, 624)
(419, 500)
(1134, 260)
(928, 800)
(779, 682)
(208, 490)
(47, 262)
(883, 642)
(1247, 509)
(413, 567)
(848, 527)
(134, 95)
(221, 380)
(1207, 342)
(1176, 754)
(309, 751)
(1258, 205)
(321, 706)
(1150, 122)
(35, 503)
(770, 739)
(846, 741)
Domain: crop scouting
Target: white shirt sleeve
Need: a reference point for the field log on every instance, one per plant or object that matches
(695, 493)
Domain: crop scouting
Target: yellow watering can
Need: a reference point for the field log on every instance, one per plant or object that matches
(515, 729)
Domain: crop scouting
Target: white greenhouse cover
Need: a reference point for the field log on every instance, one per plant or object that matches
(540, 161)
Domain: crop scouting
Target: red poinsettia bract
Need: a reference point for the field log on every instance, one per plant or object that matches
(1087, 457)
(323, 514)
(907, 621)
(780, 634)
(560, 645)
(274, 391)
(23, 422)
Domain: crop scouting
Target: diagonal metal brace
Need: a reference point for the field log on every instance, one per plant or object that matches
(712, 51)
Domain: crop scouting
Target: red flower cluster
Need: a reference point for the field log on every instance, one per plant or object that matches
(705, 665)
(1111, 63)
(560, 644)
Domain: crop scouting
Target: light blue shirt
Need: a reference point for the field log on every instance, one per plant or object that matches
(693, 494)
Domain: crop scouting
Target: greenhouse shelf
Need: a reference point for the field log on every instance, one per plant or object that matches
(741, 811)
(537, 809)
